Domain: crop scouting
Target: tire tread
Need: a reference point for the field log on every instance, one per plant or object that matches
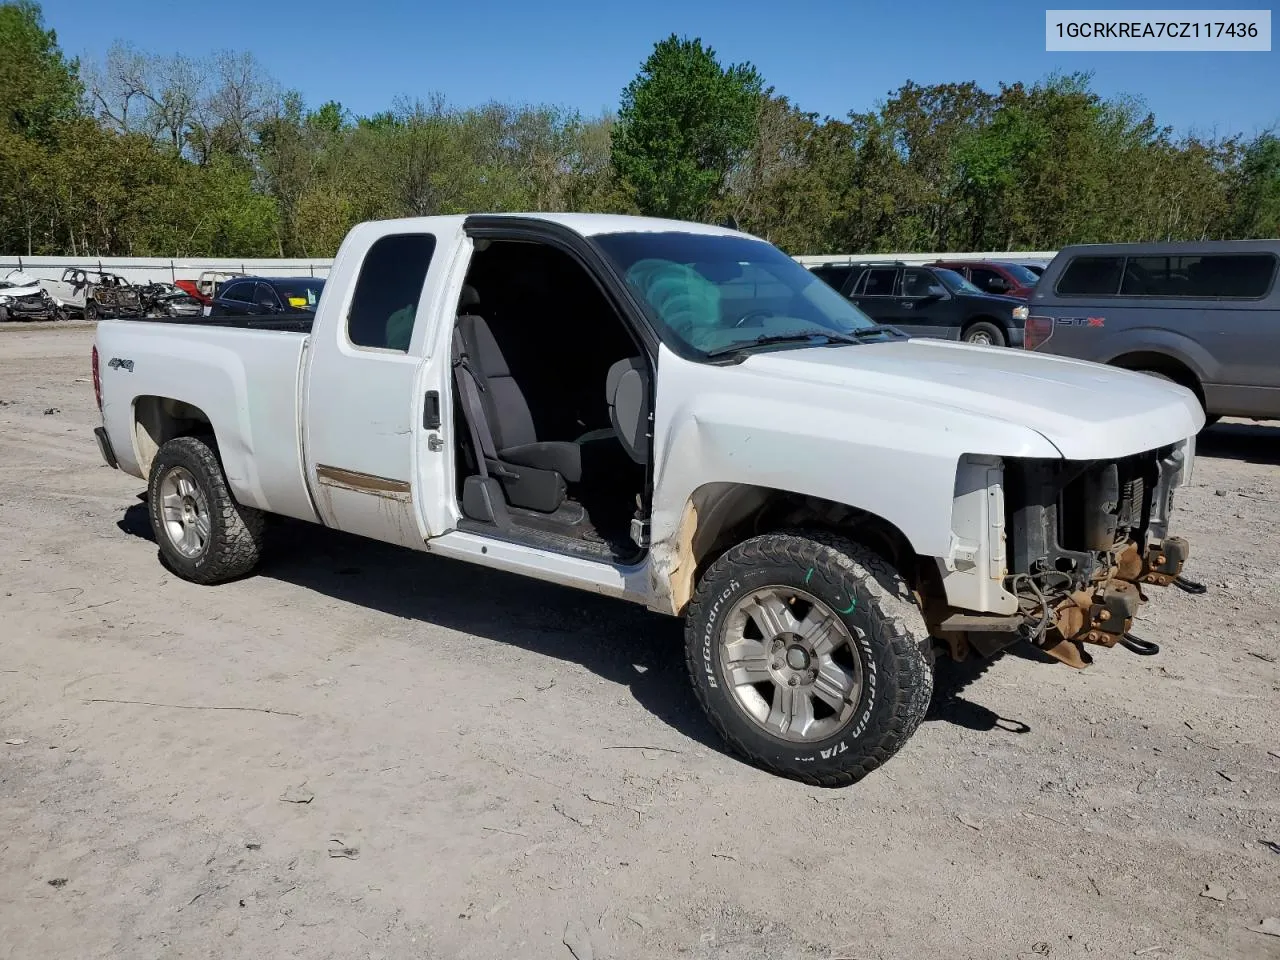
(893, 616)
(237, 531)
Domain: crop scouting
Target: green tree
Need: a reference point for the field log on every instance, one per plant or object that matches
(684, 123)
(1256, 193)
(38, 86)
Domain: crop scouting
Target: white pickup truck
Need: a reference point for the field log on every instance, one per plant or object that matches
(681, 416)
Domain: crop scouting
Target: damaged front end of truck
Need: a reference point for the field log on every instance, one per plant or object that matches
(1071, 547)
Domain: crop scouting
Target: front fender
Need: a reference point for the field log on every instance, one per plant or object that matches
(893, 457)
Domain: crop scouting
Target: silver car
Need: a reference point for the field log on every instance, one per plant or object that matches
(1203, 314)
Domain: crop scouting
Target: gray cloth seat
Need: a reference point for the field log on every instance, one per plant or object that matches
(509, 418)
(627, 388)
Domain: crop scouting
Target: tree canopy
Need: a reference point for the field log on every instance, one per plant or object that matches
(167, 155)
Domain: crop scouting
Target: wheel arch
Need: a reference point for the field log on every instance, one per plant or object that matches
(157, 420)
(1176, 369)
(717, 516)
(1005, 326)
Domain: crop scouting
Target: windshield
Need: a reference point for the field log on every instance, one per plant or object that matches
(713, 293)
(1023, 275)
(954, 282)
(301, 294)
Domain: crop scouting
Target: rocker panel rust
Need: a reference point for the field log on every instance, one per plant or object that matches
(362, 482)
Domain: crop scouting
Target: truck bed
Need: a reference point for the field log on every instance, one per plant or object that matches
(244, 380)
(291, 323)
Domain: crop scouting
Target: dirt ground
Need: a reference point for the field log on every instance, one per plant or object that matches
(494, 766)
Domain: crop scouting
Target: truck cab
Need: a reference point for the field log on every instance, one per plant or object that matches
(678, 415)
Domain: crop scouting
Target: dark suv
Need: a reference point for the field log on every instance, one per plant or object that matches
(928, 301)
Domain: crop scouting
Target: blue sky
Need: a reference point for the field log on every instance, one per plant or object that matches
(829, 57)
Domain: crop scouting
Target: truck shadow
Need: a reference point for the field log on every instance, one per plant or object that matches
(952, 678)
(1241, 440)
(618, 641)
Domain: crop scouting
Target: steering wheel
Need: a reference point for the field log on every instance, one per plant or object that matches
(762, 313)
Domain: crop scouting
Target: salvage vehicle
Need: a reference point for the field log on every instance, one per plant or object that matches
(90, 294)
(168, 300)
(929, 301)
(1203, 314)
(206, 285)
(23, 298)
(681, 416)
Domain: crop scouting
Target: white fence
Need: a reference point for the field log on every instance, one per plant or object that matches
(159, 269)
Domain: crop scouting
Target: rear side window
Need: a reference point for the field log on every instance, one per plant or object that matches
(833, 276)
(879, 283)
(1091, 276)
(385, 301)
(239, 292)
(264, 296)
(1214, 276)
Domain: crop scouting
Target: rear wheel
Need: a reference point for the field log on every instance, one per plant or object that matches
(985, 333)
(91, 311)
(809, 655)
(204, 535)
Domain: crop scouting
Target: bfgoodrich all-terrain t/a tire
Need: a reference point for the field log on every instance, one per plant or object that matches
(204, 535)
(809, 655)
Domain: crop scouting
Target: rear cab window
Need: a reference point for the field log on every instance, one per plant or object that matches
(384, 304)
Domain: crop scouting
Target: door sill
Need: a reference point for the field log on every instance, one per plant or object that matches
(538, 557)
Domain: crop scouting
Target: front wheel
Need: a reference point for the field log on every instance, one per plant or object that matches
(986, 334)
(204, 535)
(809, 655)
(91, 312)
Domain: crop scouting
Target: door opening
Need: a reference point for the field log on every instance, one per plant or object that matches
(553, 397)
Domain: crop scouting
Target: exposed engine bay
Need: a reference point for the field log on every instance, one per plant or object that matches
(1081, 541)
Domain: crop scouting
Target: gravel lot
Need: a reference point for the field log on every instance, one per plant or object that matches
(494, 766)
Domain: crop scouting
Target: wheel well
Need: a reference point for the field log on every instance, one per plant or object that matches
(975, 320)
(157, 420)
(721, 515)
(1174, 369)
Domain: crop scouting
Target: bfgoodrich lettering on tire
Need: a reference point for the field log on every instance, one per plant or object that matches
(809, 655)
(204, 535)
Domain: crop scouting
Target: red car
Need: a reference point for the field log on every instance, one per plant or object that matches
(995, 276)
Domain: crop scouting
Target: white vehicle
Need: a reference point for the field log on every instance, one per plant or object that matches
(681, 416)
(22, 298)
(89, 293)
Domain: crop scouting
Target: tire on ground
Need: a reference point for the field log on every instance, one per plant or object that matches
(889, 638)
(984, 331)
(234, 545)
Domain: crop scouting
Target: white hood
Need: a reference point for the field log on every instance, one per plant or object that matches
(1086, 410)
(24, 291)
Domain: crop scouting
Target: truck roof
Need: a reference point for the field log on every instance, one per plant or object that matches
(586, 224)
(1176, 248)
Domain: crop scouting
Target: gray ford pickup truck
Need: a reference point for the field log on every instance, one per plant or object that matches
(1205, 315)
